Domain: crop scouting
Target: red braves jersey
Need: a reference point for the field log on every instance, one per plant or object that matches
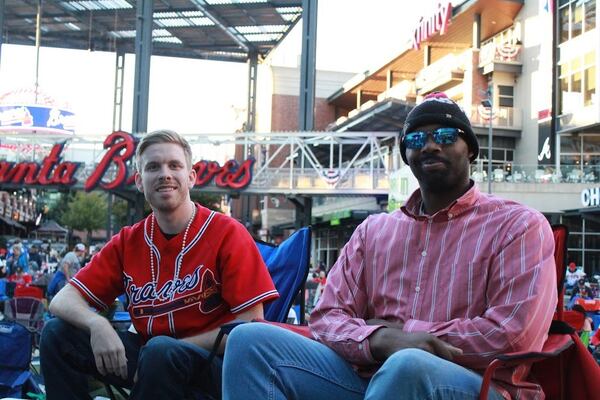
(221, 273)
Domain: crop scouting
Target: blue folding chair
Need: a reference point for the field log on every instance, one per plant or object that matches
(16, 343)
(3, 295)
(288, 265)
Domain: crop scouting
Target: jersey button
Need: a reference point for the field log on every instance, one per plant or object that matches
(423, 253)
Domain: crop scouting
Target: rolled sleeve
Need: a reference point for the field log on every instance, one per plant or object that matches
(338, 320)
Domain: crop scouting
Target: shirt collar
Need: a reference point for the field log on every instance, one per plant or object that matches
(463, 203)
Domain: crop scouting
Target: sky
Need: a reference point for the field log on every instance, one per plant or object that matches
(196, 96)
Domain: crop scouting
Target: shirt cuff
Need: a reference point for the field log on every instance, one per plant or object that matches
(363, 341)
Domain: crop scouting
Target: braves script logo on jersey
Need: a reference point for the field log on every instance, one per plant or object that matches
(138, 295)
(209, 295)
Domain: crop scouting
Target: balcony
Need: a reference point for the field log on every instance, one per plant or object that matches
(404, 90)
(442, 74)
(500, 57)
(513, 173)
(502, 117)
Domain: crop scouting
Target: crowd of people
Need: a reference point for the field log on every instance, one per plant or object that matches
(40, 265)
(582, 294)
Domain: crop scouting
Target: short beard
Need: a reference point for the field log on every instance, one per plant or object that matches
(437, 184)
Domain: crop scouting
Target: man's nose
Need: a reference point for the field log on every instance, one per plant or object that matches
(430, 144)
(164, 172)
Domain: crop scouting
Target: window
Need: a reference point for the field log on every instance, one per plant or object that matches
(590, 15)
(589, 76)
(577, 82)
(591, 144)
(505, 96)
(574, 223)
(577, 20)
(589, 90)
(576, 17)
(563, 21)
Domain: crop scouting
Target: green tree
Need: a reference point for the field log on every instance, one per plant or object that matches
(57, 203)
(209, 200)
(86, 212)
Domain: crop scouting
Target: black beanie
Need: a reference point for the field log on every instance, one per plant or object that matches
(437, 108)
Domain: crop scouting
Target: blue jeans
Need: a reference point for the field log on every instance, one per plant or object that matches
(167, 368)
(271, 363)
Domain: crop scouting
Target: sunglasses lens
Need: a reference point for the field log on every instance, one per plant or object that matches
(415, 140)
(445, 135)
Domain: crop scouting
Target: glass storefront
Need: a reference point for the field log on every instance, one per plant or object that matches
(581, 152)
(584, 241)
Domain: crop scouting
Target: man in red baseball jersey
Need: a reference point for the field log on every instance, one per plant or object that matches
(186, 270)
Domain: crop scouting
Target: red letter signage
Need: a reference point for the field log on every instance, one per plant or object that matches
(432, 24)
(63, 173)
(121, 147)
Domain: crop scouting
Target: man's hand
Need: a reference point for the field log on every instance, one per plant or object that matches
(386, 341)
(108, 349)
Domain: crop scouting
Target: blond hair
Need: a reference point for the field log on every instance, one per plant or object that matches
(162, 136)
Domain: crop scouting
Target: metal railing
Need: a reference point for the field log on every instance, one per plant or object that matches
(513, 173)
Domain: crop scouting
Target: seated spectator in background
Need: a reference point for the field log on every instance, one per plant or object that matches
(3, 270)
(582, 291)
(320, 280)
(422, 299)
(53, 256)
(93, 251)
(66, 269)
(572, 275)
(594, 287)
(17, 258)
(21, 278)
(35, 258)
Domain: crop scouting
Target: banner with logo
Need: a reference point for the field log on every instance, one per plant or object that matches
(36, 119)
(546, 143)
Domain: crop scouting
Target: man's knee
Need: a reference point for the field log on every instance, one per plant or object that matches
(249, 339)
(56, 331)
(159, 349)
(410, 363)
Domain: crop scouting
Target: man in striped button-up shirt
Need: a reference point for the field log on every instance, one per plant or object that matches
(422, 299)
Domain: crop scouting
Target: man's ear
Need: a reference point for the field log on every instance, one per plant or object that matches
(192, 178)
(138, 182)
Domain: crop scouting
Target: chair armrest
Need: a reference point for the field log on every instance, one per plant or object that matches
(554, 345)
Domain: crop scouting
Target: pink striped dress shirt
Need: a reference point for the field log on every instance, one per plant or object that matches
(478, 274)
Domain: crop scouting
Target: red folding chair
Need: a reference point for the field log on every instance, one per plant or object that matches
(29, 291)
(563, 366)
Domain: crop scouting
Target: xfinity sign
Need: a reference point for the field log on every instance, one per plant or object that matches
(590, 197)
(429, 25)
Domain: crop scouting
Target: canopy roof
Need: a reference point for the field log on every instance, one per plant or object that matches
(52, 227)
(227, 30)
